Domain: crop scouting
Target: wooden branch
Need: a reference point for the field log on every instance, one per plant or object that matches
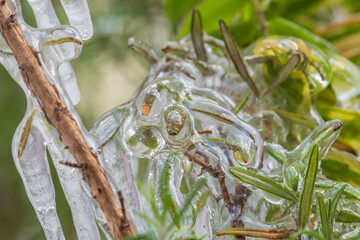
(242, 193)
(215, 173)
(59, 116)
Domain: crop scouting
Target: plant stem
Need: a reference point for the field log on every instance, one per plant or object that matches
(59, 116)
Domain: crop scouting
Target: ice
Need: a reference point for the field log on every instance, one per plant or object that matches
(78, 201)
(34, 170)
(34, 135)
(44, 13)
(144, 141)
(46, 18)
(78, 14)
(179, 127)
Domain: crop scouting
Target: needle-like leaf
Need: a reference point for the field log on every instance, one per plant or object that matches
(262, 182)
(195, 190)
(347, 217)
(197, 36)
(307, 232)
(25, 134)
(258, 233)
(335, 203)
(164, 188)
(325, 224)
(236, 58)
(349, 191)
(307, 194)
(289, 66)
(239, 105)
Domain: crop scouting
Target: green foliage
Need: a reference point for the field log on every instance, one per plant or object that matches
(335, 164)
(164, 188)
(307, 193)
(157, 220)
(281, 26)
(262, 182)
(327, 213)
(145, 136)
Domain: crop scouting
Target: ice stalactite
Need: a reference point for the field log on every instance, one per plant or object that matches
(56, 46)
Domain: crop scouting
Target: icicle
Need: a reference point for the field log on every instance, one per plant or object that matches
(46, 18)
(78, 14)
(56, 47)
(70, 180)
(34, 170)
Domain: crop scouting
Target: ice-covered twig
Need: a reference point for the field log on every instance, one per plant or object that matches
(59, 116)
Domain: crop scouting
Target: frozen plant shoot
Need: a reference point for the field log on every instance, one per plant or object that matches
(217, 142)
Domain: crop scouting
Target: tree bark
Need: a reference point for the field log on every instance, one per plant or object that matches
(59, 116)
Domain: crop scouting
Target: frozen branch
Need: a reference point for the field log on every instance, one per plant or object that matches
(59, 116)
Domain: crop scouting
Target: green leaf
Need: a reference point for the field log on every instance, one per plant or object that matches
(325, 223)
(306, 232)
(239, 105)
(187, 182)
(263, 183)
(292, 177)
(143, 167)
(281, 26)
(324, 135)
(279, 156)
(241, 155)
(328, 95)
(335, 203)
(307, 194)
(146, 136)
(349, 191)
(197, 36)
(200, 203)
(164, 187)
(195, 190)
(335, 164)
(347, 217)
(236, 57)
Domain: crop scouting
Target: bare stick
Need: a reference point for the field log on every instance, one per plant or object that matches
(216, 173)
(261, 16)
(236, 207)
(59, 116)
(204, 132)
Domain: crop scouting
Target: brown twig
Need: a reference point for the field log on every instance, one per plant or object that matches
(59, 116)
(216, 173)
(82, 167)
(125, 222)
(261, 16)
(204, 132)
(236, 207)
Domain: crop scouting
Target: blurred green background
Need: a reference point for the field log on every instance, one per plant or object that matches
(108, 72)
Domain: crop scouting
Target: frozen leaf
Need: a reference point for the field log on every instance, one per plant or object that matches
(262, 182)
(307, 194)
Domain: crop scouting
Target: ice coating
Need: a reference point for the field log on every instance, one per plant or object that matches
(34, 134)
(185, 110)
(79, 17)
(46, 18)
(183, 124)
